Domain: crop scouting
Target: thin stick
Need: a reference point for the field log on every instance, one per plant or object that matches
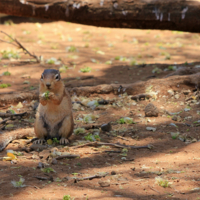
(4, 121)
(67, 156)
(18, 44)
(153, 189)
(4, 115)
(112, 144)
(90, 177)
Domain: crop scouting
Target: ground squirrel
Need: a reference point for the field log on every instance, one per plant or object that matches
(54, 118)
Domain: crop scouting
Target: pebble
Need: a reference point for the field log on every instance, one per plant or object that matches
(104, 183)
(151, 110)
(106, 127)
(150, 129)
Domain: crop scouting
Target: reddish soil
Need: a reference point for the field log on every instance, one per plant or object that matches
(133, 172)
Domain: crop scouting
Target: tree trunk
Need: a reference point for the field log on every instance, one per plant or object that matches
(143, 14)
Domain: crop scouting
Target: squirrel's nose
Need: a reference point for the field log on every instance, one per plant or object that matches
(48, 85)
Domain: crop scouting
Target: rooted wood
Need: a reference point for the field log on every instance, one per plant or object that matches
(8, 136)
(172, 14)
(158, 85)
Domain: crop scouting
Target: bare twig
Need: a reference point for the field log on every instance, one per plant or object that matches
(91, 126)
(91, 177)
(153, 189)
(5, 120)
(20, 46)
(67, 156)
(123, 138)
(4, 115)
(44, 178)
(112, 144)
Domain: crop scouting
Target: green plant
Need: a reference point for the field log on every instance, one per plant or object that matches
(18, 183)
(68, 197)
(162, 182)
(125, 120)
(48, 170)
(53, 61)
(55, 140)
(7, 54)
(71, 49)
(46, 95)
(7, 73)
(79, 131)
(63, 68)
(85, 69)
(4, 85)
(89, 137)
(117, 58)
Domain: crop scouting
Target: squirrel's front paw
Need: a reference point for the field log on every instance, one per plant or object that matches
(51, 95)
(39, 141)
(42, 97)
(64, 141)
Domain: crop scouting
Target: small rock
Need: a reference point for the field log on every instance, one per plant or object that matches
(44, 154)
(113, 173)
(54, 161)
(175, 118)
(176, 96)
(181, 103)
(150, 129)
(76, 106)
(187, 109)
(186, 92)
(13, 161)
(106, 127)
(171, 92)
(40, 165)
(38, 147)
(151, 110)
(104, 183)
(103, 102)
(172, 124)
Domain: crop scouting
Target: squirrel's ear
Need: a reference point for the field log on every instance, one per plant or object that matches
(57, 77)
(42, 77)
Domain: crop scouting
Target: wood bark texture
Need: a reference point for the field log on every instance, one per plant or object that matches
(179, 15)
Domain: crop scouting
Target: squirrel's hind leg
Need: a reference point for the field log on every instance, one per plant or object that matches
(41, 129)
(66, 129)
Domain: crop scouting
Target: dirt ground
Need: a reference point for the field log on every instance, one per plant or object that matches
(108, 56)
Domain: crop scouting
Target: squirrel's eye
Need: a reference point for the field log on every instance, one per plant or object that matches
(42, 76)
(57, 77)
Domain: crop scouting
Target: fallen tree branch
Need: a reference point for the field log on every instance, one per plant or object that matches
(20, 46)
(5, 115)
(8, 136)
(90, 177)
(163, 84)
(67, 156)
(112, 144)
(50, 178)
(172, 15)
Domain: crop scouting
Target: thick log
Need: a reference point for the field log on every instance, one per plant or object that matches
(172, 82)
(143, 14)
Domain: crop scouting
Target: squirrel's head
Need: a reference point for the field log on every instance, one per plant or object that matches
(49, 78)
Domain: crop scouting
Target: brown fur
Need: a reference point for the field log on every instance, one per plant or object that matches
(54, 118)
